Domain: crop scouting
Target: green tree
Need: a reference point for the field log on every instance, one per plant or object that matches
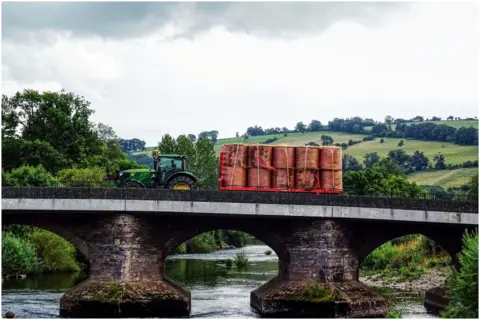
(78, 177)
(463, 286)
(167, 145)
(205, 165)
(29, 176)
(370, 159)
(186, 147)
(473, 185)
(383, 179)
(18, 254)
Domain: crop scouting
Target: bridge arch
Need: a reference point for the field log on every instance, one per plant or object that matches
(268, 238)
(62, 231)
(406, 250)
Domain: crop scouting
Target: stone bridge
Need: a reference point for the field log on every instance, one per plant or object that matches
(320, 240)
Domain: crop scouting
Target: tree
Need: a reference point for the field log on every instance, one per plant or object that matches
(315, 125)
(382, 140)
(385, 178)
(300, 127)
(185, 146)
(463, 286)
(419, 161)
(210, 135)
(59, 119)
(389, 119)
(370, 159)
(400, 144)
(167, 145)
(205, 165)
(418, 119)
(105, 132)
(473, 186)
(192, 137)
(450, 118)
(326, 140)
(350, 163)
(439, 161)
(28, 176)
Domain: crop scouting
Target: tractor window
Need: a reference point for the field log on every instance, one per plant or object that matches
(166, 163)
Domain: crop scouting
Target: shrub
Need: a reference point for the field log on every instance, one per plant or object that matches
(18, 254)
(268, 252)
(463, 285)
(89, 177)
(28, 176)
(54, 253)
(241, 260)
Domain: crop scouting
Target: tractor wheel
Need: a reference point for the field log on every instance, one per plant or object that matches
(133, 184)
(181, 183)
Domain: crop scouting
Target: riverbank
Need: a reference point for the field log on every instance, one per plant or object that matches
(430, 279)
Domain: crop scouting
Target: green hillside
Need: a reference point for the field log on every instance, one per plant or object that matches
(444, 178)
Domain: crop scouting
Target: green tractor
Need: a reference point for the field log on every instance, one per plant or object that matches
(168, 172)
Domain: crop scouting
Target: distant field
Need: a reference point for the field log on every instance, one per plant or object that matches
(455, 124)
(453, 153)
(444, 178)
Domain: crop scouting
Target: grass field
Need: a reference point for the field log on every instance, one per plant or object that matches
(444, 178)
(453, 153)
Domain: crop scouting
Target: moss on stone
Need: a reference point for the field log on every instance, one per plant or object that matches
(113, 292)
(312, 292)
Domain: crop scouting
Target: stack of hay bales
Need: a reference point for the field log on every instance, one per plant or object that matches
(307, 160)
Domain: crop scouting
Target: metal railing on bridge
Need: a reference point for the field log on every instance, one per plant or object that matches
(108, 190)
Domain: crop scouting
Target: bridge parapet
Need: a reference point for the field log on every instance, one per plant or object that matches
(242, 197)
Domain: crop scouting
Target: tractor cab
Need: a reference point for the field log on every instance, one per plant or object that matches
(166, 165)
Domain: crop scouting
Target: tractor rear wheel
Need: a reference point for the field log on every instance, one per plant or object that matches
(133, 184)
(182, 182)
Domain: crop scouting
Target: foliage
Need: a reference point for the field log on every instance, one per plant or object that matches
(54, 253)
(473, 193)
(463, 286)
(394, 314)
(241, 260)
(383, 179)
(203, 243)
(131, 145)
(406, 257)
(18, 254)
(29, 176)
(268, 252)
(91, 177)
(53, 129)
(350, 163)
(370, 159)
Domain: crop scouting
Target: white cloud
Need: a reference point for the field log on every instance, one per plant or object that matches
(423, 62)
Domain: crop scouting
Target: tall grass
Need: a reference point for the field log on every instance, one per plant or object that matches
(241, 260)
(406, 257)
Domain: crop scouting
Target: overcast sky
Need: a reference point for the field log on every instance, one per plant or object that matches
(155, 68)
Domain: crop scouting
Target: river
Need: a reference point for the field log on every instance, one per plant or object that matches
(217, 290)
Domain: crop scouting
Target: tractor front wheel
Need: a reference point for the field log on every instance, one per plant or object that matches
(181, 183)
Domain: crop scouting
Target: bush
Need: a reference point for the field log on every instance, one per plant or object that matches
(28, 176)
(203, 243)
(241, 260)
(463, 285)
(89, 177)
(268, 252)
(18, 254)
(54, 253)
